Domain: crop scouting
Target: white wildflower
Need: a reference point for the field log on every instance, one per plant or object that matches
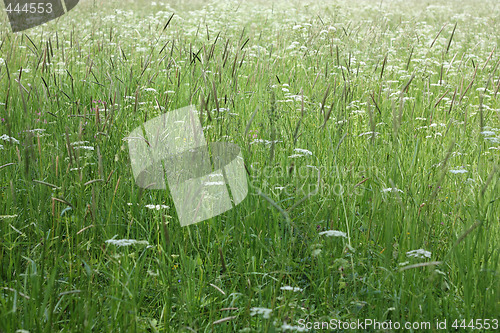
(358, 111)
(303, 151)
(150, 272)
(37, 130)
(79, 143)
(84, 147)
(265, 312)
(493, 139)
(125, 242)
(334, 233)
(8, 216)
(267, 142)
(11, 139)
(293, 45)
(369, 133)
(215, 175)
(457, 171)
(297, 98)
(390, 189)
(291, 288)
(214, 183)
(316, 252)
(420, 253)
(157, 207)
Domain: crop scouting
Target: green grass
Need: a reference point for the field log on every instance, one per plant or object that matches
(319, 77)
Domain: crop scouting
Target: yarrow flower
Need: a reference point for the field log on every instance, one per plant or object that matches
(11, 139)
(213, 183)
(291, 288)
(420, 253)
(84, 147)
(458, 171)
(125, 242)
(267, 142)
(390, 189)
(265, 312)
(334, 233)
(303, 151)
(157, 207)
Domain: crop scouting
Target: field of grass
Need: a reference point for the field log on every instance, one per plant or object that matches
(371, 136)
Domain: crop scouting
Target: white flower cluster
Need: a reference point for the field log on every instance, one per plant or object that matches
(157, 207)
(296, 289)
(265, 312)
(334, 233)
(457, 171)
(301, 152)
(126, 242)
(420, 253)
(11, 139)
(390, 189)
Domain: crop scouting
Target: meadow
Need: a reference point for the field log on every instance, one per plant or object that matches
(370, 133)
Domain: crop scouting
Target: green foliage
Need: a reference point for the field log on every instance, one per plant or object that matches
(378, 121)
